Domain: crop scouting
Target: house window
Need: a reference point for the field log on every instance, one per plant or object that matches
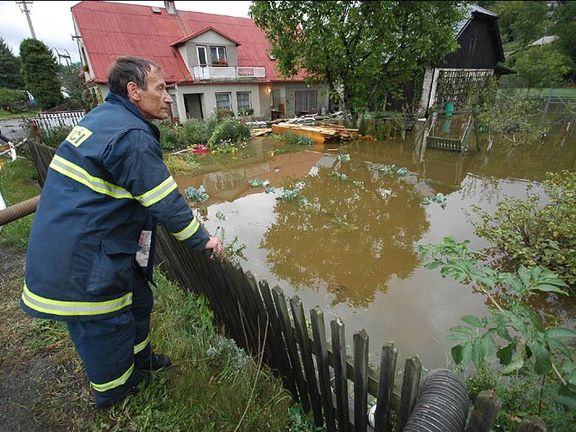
(243, 101)
(202, 60)
(224, 101)
(218, 55)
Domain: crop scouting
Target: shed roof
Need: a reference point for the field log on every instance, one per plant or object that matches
(110, 30)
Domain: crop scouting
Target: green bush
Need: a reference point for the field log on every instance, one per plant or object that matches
(198, 132)
(229, 131)
(171, 136)
(222, 113)
(13, 101)
(53, 137)
(525, 233)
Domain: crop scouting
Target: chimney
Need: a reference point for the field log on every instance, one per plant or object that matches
(170, 7)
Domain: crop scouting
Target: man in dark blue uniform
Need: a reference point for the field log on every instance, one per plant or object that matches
(90, 252)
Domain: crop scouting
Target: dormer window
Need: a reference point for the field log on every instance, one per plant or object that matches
(202, 58)
(218, 55)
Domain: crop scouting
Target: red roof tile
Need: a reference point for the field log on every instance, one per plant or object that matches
(110, 30)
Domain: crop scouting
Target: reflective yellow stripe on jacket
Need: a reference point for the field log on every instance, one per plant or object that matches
(70, 308)
(79, 174)
(188, 231)
(154, 195)
(114, 383)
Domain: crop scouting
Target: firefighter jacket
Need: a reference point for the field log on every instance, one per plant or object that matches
(105, 187)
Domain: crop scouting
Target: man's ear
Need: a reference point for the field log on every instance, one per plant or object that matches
(133, 91)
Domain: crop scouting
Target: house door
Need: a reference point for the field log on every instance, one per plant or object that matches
(193, 104)
(306, 102)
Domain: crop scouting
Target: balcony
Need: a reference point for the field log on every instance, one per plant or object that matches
(217, 73)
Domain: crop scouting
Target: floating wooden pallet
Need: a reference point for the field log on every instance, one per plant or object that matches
(315, 133)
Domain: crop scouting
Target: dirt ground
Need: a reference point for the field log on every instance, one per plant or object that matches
(42, 386)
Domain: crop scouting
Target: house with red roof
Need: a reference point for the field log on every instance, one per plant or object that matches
(209, 61)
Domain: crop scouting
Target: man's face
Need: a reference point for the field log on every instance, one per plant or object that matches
(154, 102)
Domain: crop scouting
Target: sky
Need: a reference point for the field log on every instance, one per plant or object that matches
(52, 21)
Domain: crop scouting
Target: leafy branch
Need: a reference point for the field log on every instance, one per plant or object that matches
(513, 331)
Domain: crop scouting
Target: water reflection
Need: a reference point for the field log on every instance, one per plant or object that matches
(351, 237)
(352, 248)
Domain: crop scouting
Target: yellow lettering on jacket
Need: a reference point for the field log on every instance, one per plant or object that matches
(78, 135)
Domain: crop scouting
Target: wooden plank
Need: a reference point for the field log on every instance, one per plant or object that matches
(306, 354)
(388, 356)
(247, 306)
(279, 344)
(319, 334)
(264, 325)
(484, 413)
(409, 393)
(360, 381)
(314, 136)
(288, 333)
(340, 373)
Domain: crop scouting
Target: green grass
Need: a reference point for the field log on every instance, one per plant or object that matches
(563, 91)
(212, 385)
(5, 115)
(17, 183)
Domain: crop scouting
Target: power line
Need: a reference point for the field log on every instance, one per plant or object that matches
(24, 8)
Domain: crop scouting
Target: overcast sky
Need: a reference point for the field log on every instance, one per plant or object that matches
(52, 20)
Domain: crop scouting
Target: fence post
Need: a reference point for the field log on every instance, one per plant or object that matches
(280, 303)
(410, 384)
(385, 388)
(306, 354)
(532, 424)
(279, 344)
(360, 381)
(484, 413)
(340, 377)
(319, 333)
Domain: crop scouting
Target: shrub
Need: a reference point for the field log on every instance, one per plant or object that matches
(246, 112)
(13, 100)
(525, 233)
(53, 137)
(229, 131)
(222, 113)
(170, 136)
(198, 132)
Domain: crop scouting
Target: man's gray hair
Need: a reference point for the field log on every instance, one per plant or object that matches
(126, 69)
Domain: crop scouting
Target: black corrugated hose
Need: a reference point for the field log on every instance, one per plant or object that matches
(442, 405)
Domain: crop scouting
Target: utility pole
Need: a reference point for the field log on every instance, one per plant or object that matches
(24, 8)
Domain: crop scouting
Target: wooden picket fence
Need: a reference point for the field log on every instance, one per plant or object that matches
(327, 380)
(51, 120)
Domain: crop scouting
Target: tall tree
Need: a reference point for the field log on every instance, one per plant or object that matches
(542, 66)
(362, 49)
(73, 82)
(10, 75)
(565, 28)
(521, 21)
(40, 72)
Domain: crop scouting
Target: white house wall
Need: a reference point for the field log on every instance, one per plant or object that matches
(209, 98)
(210, 38)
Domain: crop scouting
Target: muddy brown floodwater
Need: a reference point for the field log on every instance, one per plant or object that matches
(351, 246)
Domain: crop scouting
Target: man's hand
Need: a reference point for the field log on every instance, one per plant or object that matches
(215, 244)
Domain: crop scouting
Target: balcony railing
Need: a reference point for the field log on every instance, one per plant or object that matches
(227, 72)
